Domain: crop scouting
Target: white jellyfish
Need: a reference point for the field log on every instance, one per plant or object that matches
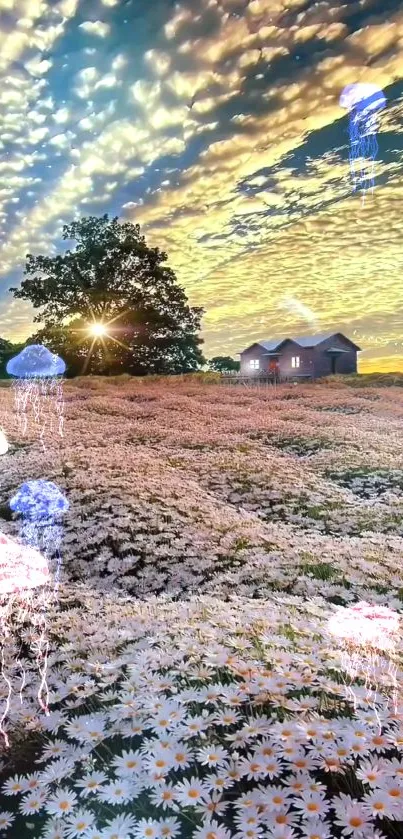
(363, 101)
(24, 573)
(38, 383)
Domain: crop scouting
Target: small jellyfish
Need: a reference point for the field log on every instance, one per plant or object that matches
(363, 101)
(41, 505)
(38, 383)
(24, 575)
(3, 443)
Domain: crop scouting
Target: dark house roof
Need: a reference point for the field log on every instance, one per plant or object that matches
(306, 342)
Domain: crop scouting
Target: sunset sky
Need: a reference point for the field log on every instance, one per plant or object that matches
(216, 125)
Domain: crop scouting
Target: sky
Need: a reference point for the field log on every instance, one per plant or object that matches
(215, 125)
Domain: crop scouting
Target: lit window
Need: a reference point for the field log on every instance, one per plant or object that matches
(295, 361)
(254, 363)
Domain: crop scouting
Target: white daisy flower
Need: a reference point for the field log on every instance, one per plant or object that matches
(312, 805)
(54, 829)
(118, 828)
(120, 791)
(61, 803)
(169, 828)
(378, 803)
(90, 783)
(371, 773)
(190, 792)
(146, 829)
(351, 815)
(211, 831)
(164, 796)
(212, 755)
(14, 786)
(33, 802)
(6, 819)
(78, 824)
(315, 830)
(276, 798)
(182, 757)
(130, 763)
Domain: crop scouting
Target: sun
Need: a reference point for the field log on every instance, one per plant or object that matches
(98, 330)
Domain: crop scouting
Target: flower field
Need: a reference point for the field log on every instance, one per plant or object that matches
(225, 648)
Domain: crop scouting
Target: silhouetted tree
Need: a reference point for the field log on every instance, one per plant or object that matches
(112, 277)
(224, 364)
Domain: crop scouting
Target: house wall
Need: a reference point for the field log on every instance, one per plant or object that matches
(254, 352)
(345, 363)
(305, 360)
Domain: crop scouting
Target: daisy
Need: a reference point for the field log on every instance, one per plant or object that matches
(32, 781)
(54, 749)
(164, 796)
(212, 756)
(315, 830)
(190, 792)
(351, 815)
(251, 832)
(116, 792)
(169, 828)
(276, 798)
(254, 768)
(90, 783)
(117, 828)
(370, 773)
(61, 803)
(182, 757)
(379, 803)
(160, 761)
(146, 829)
(282, 819)
(128, 763)
(212, 831)
(312, 805)
(218, 781)
(54, 829)
(6, 819)
(33, 802)
(394, 790)
(78, 824)
(14, 785)
(213, 806)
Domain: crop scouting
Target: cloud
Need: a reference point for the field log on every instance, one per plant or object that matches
(95, 27)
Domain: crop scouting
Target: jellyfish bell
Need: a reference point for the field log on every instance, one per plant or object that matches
(3, 443)
(35, 361)
(38, 500)
(363, 97)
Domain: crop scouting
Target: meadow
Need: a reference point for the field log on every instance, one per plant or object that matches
(225, 653)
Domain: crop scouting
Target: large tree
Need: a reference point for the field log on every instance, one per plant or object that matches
(112, 277)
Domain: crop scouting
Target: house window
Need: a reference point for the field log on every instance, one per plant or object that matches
(254, 364)
(295, 361)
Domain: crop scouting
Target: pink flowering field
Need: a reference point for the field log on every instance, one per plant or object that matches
(225, 648)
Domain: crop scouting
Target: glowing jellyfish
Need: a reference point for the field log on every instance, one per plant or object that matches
(3, 443)
(367, 634)
(363, 101)
(41, 505)
(24, 574)
(38, 382)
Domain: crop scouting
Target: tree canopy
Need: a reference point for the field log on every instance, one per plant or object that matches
(224, 364)
(115, 279)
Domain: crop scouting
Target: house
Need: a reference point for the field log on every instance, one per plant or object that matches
(313, 356)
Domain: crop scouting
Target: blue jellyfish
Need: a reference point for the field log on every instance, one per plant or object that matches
(363, 101)
(41, 505)
(37, 373)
